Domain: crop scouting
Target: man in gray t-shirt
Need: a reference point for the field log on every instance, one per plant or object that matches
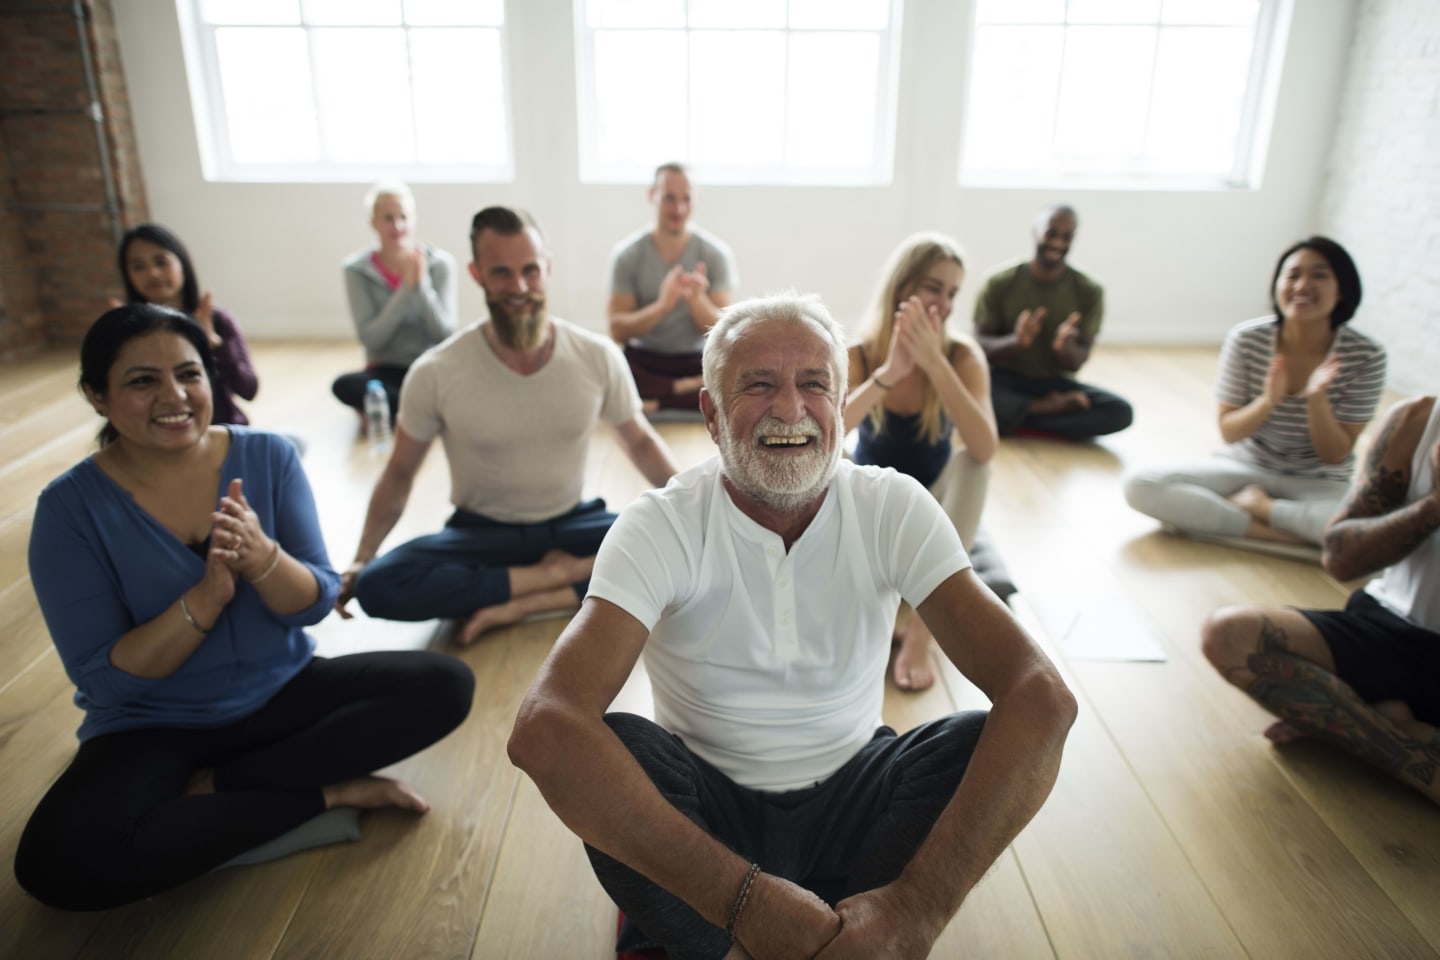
(667, 286)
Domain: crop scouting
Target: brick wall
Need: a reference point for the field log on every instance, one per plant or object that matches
(1381, 196)
(58, 233)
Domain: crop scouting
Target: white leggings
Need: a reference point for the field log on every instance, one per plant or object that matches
(960, 488)
(1192, 498)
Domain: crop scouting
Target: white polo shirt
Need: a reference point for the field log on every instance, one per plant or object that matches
(771, 666)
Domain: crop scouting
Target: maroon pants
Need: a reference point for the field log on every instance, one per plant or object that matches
(655, 375)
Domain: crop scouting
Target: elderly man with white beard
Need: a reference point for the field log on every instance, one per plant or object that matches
(768, 811)
(515, 401)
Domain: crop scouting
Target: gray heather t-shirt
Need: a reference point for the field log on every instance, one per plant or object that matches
(637, 269)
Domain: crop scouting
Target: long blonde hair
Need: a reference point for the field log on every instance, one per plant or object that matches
(914, 258)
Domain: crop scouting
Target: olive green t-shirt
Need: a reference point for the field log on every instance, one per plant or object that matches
(1014, 289)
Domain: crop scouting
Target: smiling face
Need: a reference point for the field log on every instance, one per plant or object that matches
(671, 197)
(158, 396)
(1054, 233)
(937, 288)
(155, 273)
(391, 219)
(1306, 288)
(512, 270)
(776, 419)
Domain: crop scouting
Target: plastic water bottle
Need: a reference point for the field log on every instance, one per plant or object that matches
(377, 418)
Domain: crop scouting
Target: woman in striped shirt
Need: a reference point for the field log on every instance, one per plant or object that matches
(1295, 391)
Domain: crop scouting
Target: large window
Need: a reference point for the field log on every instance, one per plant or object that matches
(1168, 93)
(745, 91)
(349, 89)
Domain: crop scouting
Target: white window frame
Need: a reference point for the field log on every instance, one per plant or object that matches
(880, 173)
(202, 68)
(1267, 55)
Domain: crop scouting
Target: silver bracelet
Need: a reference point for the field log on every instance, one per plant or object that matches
(274, 562)
(185, 609)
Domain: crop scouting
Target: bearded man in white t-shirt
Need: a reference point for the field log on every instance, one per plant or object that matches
(768, 811)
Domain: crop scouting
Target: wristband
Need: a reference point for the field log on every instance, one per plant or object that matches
(740, 900)
(881, 383)
(274, 562)
(185, 609)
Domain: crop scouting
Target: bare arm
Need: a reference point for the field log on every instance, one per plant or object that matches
(627, 321)
(1333, 439)
(1008, 778)
(387, 503)
(562, 741)
(1375, 528)
(646, 450)
(964, 388)
(705, 307)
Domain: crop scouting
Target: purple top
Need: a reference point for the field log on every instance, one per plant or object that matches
(234, 376)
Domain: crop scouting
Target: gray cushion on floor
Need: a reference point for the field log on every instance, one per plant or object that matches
(333, 826)
(989, 567)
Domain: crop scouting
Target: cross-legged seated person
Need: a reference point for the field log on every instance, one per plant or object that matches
(915, 390)
(1366, 678)
(515, 401)
(768, 811)
(401, 295)
(1037, 322)
(1296, 389)
(667, 285)
(177, 569)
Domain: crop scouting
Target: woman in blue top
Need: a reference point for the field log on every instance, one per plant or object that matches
(913, 387)
(176, 570)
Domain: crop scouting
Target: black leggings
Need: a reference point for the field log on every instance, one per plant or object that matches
(117, 827)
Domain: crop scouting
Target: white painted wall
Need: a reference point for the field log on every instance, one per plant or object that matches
(1178, 266)
(1381, 196)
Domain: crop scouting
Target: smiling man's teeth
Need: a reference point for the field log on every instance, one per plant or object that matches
(785, 441)
(173, 418)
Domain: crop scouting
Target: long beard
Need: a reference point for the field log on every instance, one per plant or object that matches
(781, 483)
(520, 333)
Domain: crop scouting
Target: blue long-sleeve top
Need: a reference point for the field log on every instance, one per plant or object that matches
(102, 566)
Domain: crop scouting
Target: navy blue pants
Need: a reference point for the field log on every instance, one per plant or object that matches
(1011, 395)
(117, 826)
(466, 566)
(853, 831)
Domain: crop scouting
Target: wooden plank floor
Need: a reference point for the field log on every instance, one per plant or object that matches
(1175, 829)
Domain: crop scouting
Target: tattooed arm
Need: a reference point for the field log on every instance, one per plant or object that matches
(1376, 528)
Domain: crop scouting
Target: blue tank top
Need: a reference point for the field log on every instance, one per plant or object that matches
(898, 444)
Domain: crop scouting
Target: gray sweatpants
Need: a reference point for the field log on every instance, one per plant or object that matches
(1192, 498)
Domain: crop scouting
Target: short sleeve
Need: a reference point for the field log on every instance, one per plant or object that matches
(1231, 380)
(622, 270)
(621, 403)
(642, 563)
(1094, 309)
(720, 267)
(1357, 397)
(419, 402)
(917, 546)
(990, 309)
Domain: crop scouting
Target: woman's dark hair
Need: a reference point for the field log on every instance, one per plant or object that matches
(1346, 275)
(158, 235)
(115, 328)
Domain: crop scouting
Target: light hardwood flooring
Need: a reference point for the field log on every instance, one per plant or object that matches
(1175, 830)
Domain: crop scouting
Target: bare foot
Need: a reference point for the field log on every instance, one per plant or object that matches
(1281, 733)
(913, 669)
(488, 618)
(1059, 401)
(649, 406)
(1398, 712)
(1255, 501)
(688, 384)
(566, 567)
(370, 793)
(202, 782)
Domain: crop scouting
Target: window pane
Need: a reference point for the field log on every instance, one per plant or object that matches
(635, 13)
(1240, 13)
(737, 13)
(1104, 91)
(343, 13)
(1013, 86)
(265, 80)
(1198, 99)
(250, 11)
(362, 81)
(459, 96)
(839, 14)
(737, 116)
(639, 120)
(831, 120)
(480, 13)
(1020, 11)
(1114, 11)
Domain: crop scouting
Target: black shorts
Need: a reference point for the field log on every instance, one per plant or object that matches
(1383, 656)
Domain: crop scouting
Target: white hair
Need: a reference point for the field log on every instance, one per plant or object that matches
(788, 307)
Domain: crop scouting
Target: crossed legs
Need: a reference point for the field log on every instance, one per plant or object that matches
(1282, 661)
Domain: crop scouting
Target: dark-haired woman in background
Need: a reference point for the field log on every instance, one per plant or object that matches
(177, 569)
(1295, 389)
(157, 269)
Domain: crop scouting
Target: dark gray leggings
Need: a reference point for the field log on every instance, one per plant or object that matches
(852, 832)
(117, 826)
